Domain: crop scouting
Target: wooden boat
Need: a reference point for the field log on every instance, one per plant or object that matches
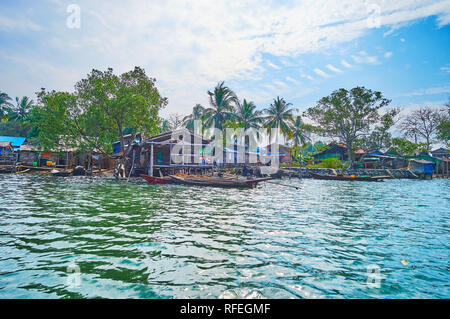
(348, 177)
(60, 173)
(214, 181)
(157, 180)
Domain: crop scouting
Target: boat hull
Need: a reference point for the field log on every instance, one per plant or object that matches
(156, 180)
(347, 178)
(217, 181)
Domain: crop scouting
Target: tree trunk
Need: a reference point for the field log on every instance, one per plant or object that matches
(350, 155)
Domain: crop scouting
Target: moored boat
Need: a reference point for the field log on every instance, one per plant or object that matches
(156, 180)
(349, 177)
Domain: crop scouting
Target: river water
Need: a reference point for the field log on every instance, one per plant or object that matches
(95, 237)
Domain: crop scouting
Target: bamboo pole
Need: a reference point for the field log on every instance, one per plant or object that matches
(150, 169)
(132, 166)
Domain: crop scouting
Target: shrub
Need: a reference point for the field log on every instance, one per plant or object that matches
(328, 163)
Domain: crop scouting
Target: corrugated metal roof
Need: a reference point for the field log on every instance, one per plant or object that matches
(5, 144)
(15, 141)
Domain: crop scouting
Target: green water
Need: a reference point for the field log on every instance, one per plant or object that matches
(170, 241)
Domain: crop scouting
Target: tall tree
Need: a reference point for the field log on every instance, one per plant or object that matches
(422, 123)
(197, 114)
(165, 126)
(380, 137)
(443, 128)
(5, 105)
(247, 116)
(22, 108)
(404, 147)
(222, 102)
(279, 114)
(175, 120)
(130, 100)
(298, 133)
(98, 112)
(347, 114)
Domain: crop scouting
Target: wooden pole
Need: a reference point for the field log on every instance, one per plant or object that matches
(150, 169)
(132, 166)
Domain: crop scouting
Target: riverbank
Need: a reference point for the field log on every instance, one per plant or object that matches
(304, 172)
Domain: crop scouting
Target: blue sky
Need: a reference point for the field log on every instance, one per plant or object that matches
(300, 50)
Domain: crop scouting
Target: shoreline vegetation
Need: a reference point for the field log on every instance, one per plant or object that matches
(106, 109)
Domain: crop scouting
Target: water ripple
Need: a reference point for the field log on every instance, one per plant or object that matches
(169, 241)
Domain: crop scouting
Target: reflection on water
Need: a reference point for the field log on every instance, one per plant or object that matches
(88, 237)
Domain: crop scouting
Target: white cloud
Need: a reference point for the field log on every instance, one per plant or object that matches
(272, 65)
(363, 57)
(387, 55)
(292, 80)
(445, 69)
(18, 24)
(346, 64)
(429, 91)
(334, 69)
(321, 73)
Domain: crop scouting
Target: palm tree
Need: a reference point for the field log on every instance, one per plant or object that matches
(4, 104)
(222, 101)
(297, 134)
(279, 114)
(165, 126)
(22, 108)
(247, 116)
(197, 115)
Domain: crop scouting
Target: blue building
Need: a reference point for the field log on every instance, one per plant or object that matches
(16, 142)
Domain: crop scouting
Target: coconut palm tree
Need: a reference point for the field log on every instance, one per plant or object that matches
(165, 126)
(4, 104)
(222, 101)
(22, 108)
(247, 116)
(197, 115)
(279, 114)
(297, 134)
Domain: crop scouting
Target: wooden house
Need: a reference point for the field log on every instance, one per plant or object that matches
(156, 154)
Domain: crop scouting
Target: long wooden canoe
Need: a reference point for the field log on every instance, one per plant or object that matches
(217, 181)
(348, 177)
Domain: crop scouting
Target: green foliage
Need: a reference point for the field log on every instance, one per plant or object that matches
(380, 137)
(222, 101)
(328, 163)
(102, 107)
(443, 128)
(5, 105)
(347, 115)
(247, 117)
(404, 147)
(279, 114)
(198, 114)
(444, 132)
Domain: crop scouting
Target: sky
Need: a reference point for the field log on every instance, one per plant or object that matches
(298, 50)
